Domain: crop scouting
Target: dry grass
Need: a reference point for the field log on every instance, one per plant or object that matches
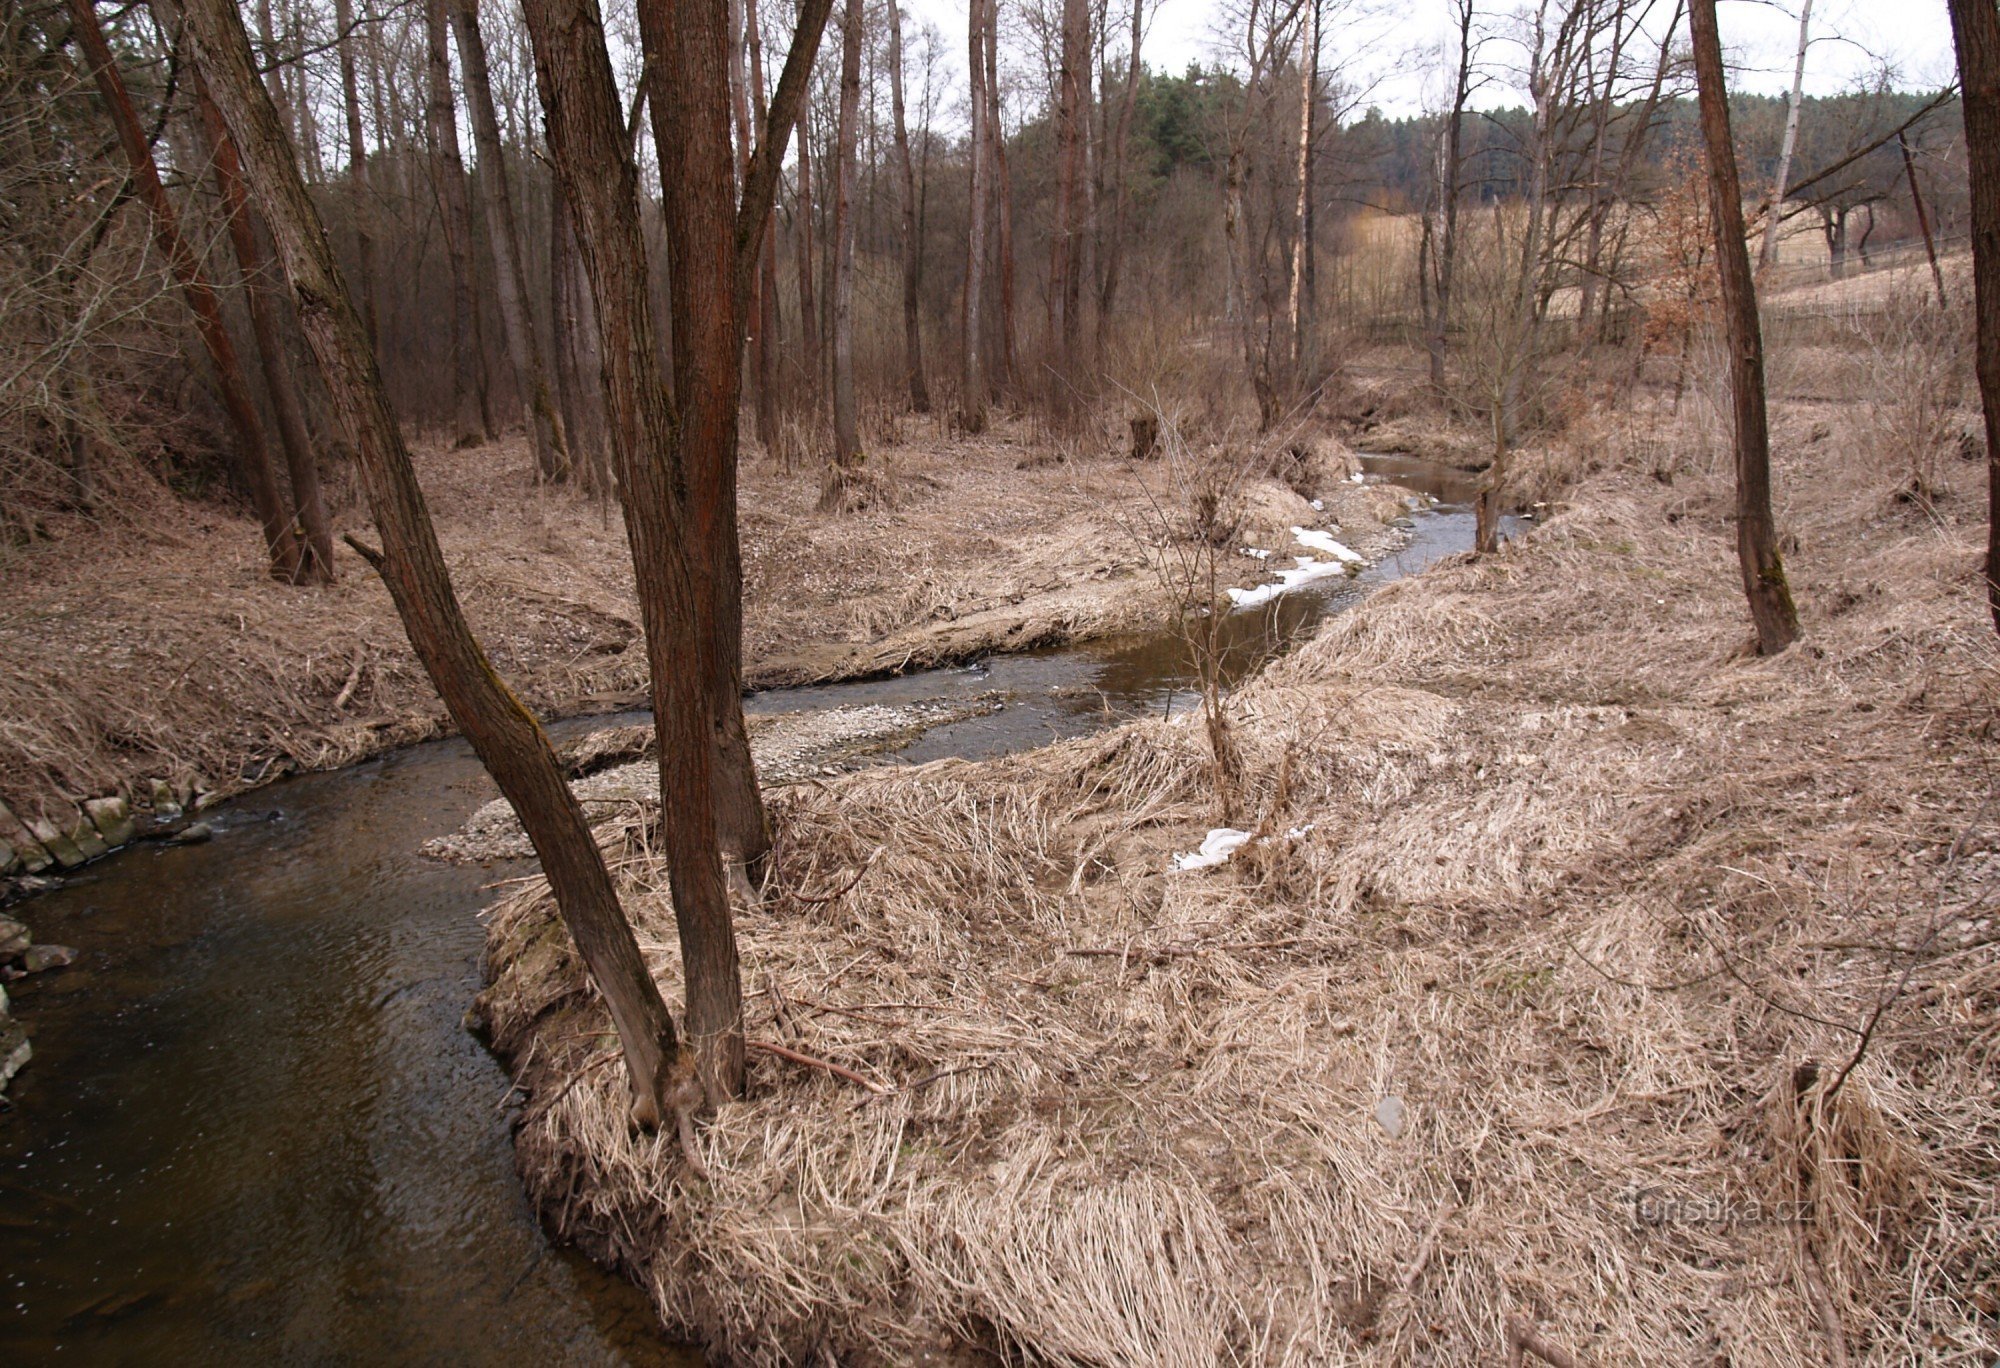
(156, 648)
(1605, 903)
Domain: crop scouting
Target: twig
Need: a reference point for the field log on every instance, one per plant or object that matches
(818, 899)
(1523, 1338)
(353, 678)
(364, 550)
(839, 1071)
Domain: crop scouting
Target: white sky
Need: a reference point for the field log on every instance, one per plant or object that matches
(1851, 39)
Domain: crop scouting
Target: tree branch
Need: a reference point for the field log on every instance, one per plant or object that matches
(760, 180)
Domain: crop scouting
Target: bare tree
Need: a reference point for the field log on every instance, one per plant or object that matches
(973, 383)
(509, 273)
(846, 435)
(1066, 241)
(345, 37)
(1111, 252)
(1769, 252)
(1975, 28)
(912, 245)
(315, 529)
(1764, 583)
(253, 452)
(507, 737)
(471, 407)
(1438, 248)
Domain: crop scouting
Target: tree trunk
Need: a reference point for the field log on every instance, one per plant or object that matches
(254, 454)
(1975, 28)
(1111, 254)
(972, 390)
(316, 546)
(846, 430)
(764, 343)
(1301, 303)
(1774, 206)
(1072, 78)
(506, 736)
(1763, 568)
(808, 304)
(913, 333)
(691, 128)
(1003, 197)
(361, 207)
(589, 150)
(509, 274)
(468, 366)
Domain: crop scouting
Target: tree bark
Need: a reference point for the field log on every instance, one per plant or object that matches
(1113, 251)
(315, 528)
(1072, 78)
(764, 344)
(357, 164)
(590, 151)
(506, 736)
(1975, 27)
(1003, 200)
(468, 366)
(1303, 285)
(1774, 206)
(846, 431)
(691, 128)
(972, 390)
(509, 273)
(253, 453)
(913, 333)
(808, 304)
(1764, 584)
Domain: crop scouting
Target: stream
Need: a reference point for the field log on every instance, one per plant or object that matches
(255, 1127)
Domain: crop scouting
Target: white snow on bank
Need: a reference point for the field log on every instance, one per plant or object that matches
(1308, 569)
(1320, 541)
(1288, 580)
(1216, 848)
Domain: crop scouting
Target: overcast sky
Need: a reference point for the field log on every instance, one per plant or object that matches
(1852, 38)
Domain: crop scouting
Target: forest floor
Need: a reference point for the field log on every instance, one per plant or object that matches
(155, 648)
(1587, 980)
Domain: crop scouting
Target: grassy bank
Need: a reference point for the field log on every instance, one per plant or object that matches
(1587, 975)
(154, 648)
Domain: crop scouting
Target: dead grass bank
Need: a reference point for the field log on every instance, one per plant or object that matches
(156, 648)
(1679, 966)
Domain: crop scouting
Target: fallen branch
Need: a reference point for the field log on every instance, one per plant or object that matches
(811, 1062)
(1522, 1338)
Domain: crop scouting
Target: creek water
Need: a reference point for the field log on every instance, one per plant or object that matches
(255, 1127)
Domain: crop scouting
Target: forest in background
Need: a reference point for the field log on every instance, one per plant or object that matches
(1132, 221)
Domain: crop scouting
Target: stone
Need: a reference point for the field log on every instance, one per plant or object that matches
(3, 1002)
(1392, 1116)
(39, 959)
(113, 819)
(14, 1051)
(194, 833)
(165, 804)
(8, 859)
(25, 847)
(83, 835)
(14, 938)
(58, 845)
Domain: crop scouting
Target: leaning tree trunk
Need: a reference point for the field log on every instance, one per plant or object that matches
(280, 540)
(913, 332)
(506, 736)
(315, 528)
(1975, 28)
(509, 273)
(1771, 606)
(846, 431)
(1774, 207)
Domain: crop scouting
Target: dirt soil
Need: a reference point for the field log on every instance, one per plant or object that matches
(154, 648)
(1586, 978)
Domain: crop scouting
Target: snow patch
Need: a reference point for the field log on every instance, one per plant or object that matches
(1320, 541)
(1216, 848)
(1308, 570)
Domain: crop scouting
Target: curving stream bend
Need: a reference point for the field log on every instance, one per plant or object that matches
(255, 1127)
